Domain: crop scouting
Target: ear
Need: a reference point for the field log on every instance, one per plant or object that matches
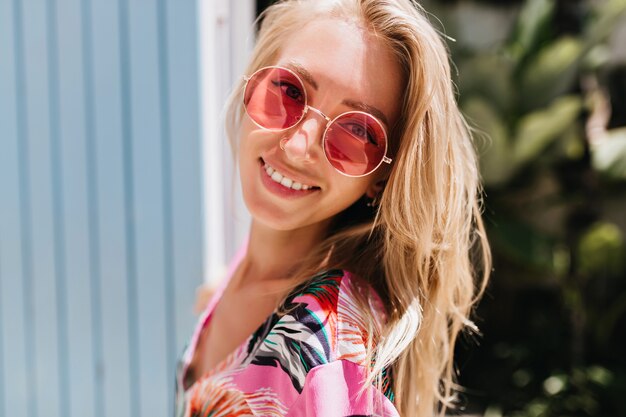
(375, 188)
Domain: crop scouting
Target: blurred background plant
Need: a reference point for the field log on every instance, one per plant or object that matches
(547, 101)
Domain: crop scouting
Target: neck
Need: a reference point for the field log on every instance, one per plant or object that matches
(273, 254)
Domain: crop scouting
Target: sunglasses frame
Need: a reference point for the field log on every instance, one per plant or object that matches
(329, 121)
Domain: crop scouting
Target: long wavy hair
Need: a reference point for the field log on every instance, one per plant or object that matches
(423, 248)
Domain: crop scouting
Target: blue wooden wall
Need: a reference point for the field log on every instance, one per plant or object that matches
(100, 204)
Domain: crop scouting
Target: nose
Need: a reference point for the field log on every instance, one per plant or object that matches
(301, 143)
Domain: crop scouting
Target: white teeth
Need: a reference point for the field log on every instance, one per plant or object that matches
(284, 181)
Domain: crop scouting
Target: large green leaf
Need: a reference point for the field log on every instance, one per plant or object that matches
(553, 70)
(601, 249)
(533, 18)
(488, 75)
(602, 25)
(538, 129)
(551, 73)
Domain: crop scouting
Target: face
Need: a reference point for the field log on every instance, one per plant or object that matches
(344, 69)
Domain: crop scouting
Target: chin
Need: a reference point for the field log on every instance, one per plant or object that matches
(270, 215)
(276, 224)
(274, 221)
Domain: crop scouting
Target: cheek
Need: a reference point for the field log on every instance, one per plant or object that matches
(343, 193)
(243, 141)
(254, 141)
(247, 155)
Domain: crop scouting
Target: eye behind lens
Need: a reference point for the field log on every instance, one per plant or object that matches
(275, 98)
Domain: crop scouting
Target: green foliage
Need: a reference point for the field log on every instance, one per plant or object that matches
(600, 249)
(520, 93)
(555, 314)
(532, 22)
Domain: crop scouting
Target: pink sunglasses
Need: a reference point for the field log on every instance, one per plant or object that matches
(354, 142)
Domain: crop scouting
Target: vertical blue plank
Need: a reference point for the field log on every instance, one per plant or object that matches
(15, 396)
(92, 209)
(147, 210)
(72, 176)
(185, 167)
(38, 160)
(166, 182)
(129, 207)
(58, 220)
(186, 154)
(25, 206)
(109, 204)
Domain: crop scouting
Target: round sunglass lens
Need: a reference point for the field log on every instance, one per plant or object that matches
(355, 143)
(274, 98)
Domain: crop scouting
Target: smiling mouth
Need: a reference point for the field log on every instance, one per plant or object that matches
(285, 181)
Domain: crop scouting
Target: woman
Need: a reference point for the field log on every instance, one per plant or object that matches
(361, 179)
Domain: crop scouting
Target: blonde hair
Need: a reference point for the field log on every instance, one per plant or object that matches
(424, 247)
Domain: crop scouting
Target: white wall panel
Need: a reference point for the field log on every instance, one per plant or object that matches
(225, 42)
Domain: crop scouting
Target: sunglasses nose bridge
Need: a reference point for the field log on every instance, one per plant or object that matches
(298, 144)
(319, 112)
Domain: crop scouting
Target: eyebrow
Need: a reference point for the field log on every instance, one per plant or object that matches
(357, 105)
(303, 72)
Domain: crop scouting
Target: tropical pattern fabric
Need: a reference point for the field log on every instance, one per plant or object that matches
(309, 361)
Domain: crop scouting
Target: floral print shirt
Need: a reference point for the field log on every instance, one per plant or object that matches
(307, 362)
